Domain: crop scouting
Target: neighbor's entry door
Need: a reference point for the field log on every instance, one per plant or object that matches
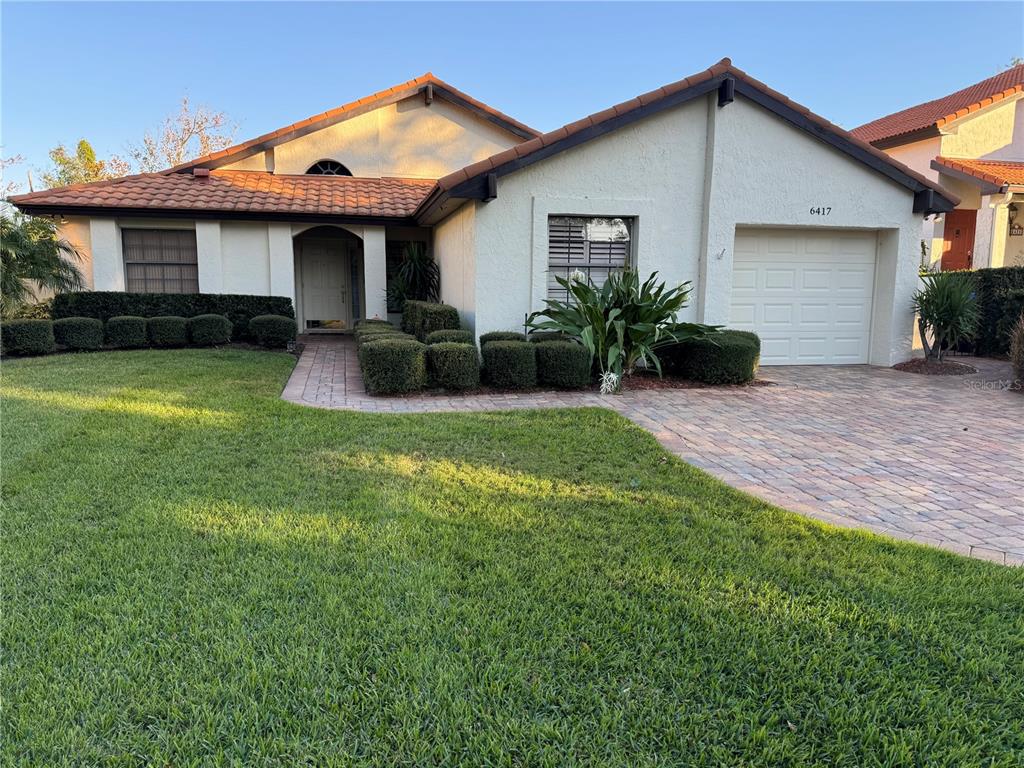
(325, 285)
(958, 239)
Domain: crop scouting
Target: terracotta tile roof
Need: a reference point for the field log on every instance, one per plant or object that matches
(1000, 173)
(548, 143)
(938, 112)
(356, 107)
(239, 192)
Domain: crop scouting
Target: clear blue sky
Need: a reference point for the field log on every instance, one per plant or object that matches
(108, 72)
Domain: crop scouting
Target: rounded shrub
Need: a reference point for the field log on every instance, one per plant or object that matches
(373, 321)
(27, 337)
(272, 331)
(78, 332)
(126, 332)
(368, 337)
(454, 336)
(726, 357)
(167, 331)
(208, 330)
(393, 366)
(423, 317)
(510, 364)
(454, 365)
(563, 364)
(542, 337)
(487, 338)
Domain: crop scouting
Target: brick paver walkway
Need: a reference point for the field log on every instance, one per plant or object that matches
(939, 460)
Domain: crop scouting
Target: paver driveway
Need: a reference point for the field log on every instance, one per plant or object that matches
(939, 460)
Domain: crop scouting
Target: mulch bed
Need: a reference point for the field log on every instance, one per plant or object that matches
(934, 368)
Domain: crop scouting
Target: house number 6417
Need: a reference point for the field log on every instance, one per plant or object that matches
(821, 210)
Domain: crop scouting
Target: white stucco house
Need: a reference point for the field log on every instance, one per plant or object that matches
(786, 224)
(972, 143)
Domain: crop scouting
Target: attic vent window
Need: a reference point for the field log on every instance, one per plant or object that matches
(328, 168)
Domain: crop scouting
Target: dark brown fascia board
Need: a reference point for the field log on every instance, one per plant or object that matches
(204, 215)
(928, 132)
(985, 187)
(393, 98)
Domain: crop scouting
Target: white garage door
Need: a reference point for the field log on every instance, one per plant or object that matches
(806, 294)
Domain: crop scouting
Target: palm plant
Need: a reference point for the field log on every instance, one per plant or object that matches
(416, 278)
(33, 257)
(947, 311)
(623, 322)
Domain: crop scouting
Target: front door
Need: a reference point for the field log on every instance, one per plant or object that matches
(958, 239)
(325, 285)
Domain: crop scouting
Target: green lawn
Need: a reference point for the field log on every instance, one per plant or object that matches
(197, 573)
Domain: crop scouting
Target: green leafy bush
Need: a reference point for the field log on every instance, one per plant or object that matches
(39, 310)
(543, 337)
(167, 331)
(563, 364)
(238, 308)
(396, 334)
(947, 311)
(994, 286)
(1017, 351)
(393, 366)
(78, 332)
(487, 338)
(208, 330)
(510, 364)
(272, 331)
(421, 318)
(1012, 308)
(725, 357)
(373, 322)
(126, 332)
(27, 337)
(417, 277)
(454, 365)
(455, 336)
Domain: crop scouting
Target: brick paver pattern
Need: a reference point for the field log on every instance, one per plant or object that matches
(933, 459)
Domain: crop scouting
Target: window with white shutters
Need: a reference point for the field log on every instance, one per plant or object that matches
(595, 246)
(160, 260)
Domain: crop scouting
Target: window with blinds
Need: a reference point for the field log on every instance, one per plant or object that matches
(596, 246)
(160, 260)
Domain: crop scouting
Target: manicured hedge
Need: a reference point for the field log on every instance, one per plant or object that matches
(510, 364)
(272, 331)
(1017, 351)
(27, 337)
(563, 364)
(167, 331)
(208, 330)
(487, 338)
(238, 308)
(1013, 308)
(994, 288)
(393, 366)
(371, 321)
(126, 332)
(396, 334)
(78, 332)
(421, 318)
(455, 336)
(727, 357)
(454, 365)
(543, 337)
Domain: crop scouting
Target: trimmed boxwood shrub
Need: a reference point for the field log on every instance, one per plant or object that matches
(995, 284)
(487, 338)
(78, 332)
(454, 365)
(373, 321)
(207, 330)
(563, 364)
(423, 317)
(456, 336)
(393, 366)
(167, 331)
(126, 332)
(238, 308)
(272, 331)
(510, 364)
(542, 337)
(27, 337)
(368, 337)
(728, 357)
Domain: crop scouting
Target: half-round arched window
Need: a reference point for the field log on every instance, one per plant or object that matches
(328, 168)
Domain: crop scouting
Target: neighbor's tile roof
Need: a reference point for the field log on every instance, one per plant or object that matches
(998, 172)
(941, 111)
(248, 192)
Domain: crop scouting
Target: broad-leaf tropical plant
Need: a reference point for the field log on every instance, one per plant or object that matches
(947, 311)
(34, 257)
(417, 277)
(621, 323)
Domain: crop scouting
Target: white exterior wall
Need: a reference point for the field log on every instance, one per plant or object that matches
(690, 182)
(453, 251)
(246, 257)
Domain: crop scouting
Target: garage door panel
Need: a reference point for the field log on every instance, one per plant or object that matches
(808, 295)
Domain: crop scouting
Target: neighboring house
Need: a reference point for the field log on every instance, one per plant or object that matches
(785, 223)
(972, 143)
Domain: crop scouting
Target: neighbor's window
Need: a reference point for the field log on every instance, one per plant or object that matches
(328, 168)
(160, 260)
(596, 246)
